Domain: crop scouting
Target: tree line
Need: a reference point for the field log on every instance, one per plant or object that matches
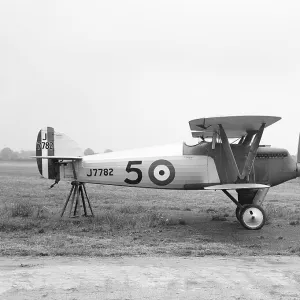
(8, 154)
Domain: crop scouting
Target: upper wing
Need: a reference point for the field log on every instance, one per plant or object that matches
(234, 126)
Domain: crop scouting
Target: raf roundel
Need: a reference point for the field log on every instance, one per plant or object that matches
(161, 172)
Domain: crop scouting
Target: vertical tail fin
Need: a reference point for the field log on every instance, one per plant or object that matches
(50, 143)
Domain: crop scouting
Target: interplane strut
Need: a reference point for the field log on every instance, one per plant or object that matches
(252, 152)
(233, 168)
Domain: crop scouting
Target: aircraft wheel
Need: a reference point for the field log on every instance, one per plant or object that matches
(252, 217)
(237, 213)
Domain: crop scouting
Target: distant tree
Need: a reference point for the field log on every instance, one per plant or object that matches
(6, 153)
(15, 155)
(107, 150)
(26, 154)
(89, 151)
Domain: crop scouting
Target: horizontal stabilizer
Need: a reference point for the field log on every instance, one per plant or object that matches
(59, 157)
(237, 186)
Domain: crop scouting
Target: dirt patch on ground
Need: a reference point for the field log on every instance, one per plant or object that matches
(150, 278)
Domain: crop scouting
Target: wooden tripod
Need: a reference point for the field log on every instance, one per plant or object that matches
(78, 197)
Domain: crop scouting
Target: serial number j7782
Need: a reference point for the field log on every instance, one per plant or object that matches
(100, 172)
(44, 145)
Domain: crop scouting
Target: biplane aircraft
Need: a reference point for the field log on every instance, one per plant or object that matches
(214, 163)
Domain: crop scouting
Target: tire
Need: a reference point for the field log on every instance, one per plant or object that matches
(237, 213)
(252, 217)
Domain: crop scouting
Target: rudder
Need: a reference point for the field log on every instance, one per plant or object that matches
(45, 147)
(50, 143)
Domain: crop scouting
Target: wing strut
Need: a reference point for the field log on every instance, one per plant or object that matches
(233, 171)
(252, 152)
(233, 168)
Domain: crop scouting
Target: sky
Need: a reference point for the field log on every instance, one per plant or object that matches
(124, 74)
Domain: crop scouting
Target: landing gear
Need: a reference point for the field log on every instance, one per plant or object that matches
(248, 212)
(252, 217)
(78, 197)
(237, 213)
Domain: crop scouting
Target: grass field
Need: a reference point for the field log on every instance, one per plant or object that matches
(131, 221)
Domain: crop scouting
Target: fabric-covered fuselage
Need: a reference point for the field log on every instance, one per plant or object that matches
(182, 167)
(271, 166)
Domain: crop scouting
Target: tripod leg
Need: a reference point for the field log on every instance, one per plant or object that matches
(72, 201)
(83, 200)
(77, 206)
(67, 201)
(87, 198)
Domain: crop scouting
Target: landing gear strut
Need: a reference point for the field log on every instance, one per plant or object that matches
(78, 197)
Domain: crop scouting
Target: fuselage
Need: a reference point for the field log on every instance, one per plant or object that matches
(180, 166)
